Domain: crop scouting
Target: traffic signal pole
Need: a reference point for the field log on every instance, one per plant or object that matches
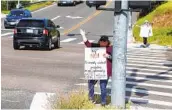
(121, 19)
(119, 56)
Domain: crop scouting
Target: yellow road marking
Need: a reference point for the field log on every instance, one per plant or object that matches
(84, 21)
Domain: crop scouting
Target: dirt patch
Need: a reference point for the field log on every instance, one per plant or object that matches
(164, 20)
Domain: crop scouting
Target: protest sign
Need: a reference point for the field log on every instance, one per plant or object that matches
(95, 64)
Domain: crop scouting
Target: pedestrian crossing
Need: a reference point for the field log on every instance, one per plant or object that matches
(68, 40)
(148, 79)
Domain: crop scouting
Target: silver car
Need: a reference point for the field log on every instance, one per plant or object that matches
(68, 2)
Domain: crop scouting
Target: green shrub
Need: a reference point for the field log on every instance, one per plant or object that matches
(79, 100)
(74, 100)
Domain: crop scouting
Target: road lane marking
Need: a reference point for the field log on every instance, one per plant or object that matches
(55, 18)
(140, 83)
(10, 36)
(149, 92)
(148, 79)
(146, 60)
(61, 27)
(10, 101)
(135, 90)
(148, 85)
(3, 29)
(146, 50)
(147, 65)
(156, 102)
(9, 33)
(68, 40)
(147, 57)
(89, 41)
(144, 54)
(143, 78)
(136, 70)
(74, 17)
(84, 21)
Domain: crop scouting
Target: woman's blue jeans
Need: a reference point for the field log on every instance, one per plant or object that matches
(103, 84)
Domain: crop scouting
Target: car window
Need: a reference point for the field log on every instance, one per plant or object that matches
(49, 23)
(28, 13)
(16, 13)
(31, 23)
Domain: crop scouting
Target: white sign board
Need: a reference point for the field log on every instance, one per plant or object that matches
(95, 64)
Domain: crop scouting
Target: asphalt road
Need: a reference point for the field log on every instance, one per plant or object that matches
(26, 72)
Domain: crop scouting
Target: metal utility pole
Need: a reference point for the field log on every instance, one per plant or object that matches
(119, 56)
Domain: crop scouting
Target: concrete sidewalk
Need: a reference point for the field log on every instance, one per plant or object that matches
(150, 47)
(3, 15)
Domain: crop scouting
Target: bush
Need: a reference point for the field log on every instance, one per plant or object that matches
(74, 100)
(80, 100)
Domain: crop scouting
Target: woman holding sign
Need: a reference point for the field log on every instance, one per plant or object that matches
(103, 42)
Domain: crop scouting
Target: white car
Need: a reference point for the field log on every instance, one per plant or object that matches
(68, 2)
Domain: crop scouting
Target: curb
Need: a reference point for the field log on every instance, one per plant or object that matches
(3, 15)
(142, 108)
(41, 101)
(151, 47)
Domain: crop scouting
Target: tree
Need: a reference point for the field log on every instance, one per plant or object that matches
(12, 4)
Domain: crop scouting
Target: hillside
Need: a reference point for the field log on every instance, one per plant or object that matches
(161, 18)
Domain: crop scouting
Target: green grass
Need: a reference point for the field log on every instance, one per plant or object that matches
(162, 35)
(33, 7)
(38, 5)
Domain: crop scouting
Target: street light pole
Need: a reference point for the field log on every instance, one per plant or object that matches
(119, 56)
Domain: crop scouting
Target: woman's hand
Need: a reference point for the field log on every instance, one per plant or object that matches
(105, 55)
(82, 32)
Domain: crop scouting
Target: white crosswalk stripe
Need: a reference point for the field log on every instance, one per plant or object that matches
(149, 73)
(6, 34)
(156, 102)
(140, 90)
(145, 60)
(150, 101)
(142, 78)
(68, 40)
